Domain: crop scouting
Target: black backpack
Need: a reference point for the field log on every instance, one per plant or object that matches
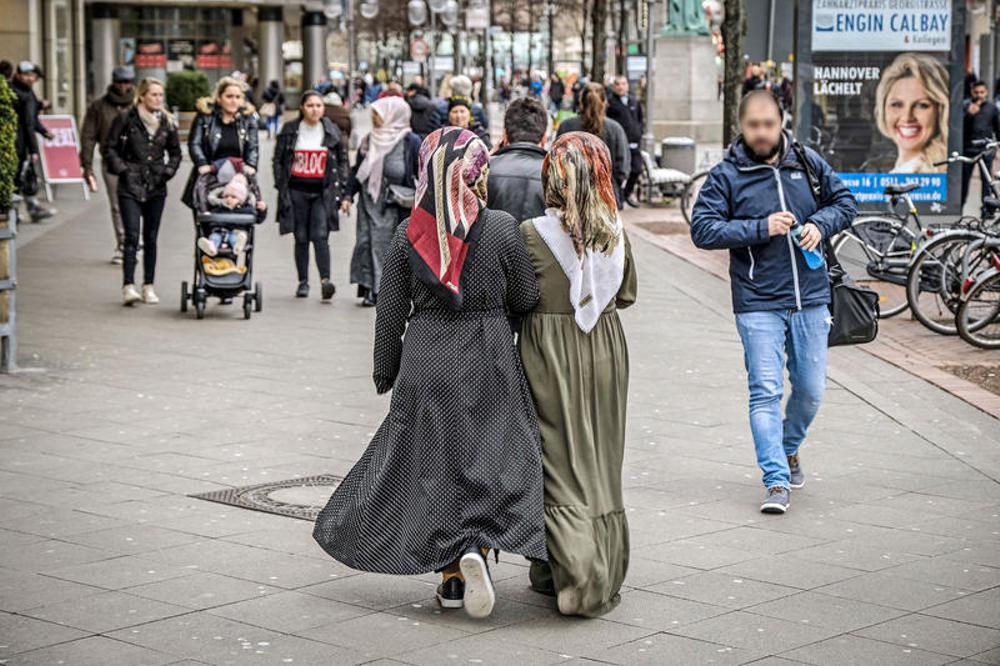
(854, 309)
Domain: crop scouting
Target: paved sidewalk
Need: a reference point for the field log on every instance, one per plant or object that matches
(889, 555)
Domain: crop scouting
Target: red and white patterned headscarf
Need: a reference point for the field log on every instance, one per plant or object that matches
(451, 193)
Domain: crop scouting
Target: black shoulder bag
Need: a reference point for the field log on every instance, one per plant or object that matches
(854, 309)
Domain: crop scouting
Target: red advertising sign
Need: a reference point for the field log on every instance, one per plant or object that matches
(150, 55)
(61, 153)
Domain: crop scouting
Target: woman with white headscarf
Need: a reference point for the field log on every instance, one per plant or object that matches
(385, 176)
(575, 358)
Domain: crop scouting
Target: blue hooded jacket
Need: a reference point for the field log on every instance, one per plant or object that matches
(769, 273)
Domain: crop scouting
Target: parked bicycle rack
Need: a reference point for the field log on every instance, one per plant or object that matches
(8, 285)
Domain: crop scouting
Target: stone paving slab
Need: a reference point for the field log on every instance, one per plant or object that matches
(106, 559)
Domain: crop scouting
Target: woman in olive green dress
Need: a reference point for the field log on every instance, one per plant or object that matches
(574, 355)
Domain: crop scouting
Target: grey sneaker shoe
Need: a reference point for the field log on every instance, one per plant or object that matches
(776, 500)
(798, 478)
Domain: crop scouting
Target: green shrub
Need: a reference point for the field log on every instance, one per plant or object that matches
(8, 153)
(185, 88)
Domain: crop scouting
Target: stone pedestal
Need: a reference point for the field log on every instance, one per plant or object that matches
(686, 101)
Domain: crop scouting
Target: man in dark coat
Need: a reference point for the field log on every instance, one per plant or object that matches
(981, 122)
(96, 127)
(625, 109)
(515, 180)
(27, 107)
(423, 111)
(556, 92)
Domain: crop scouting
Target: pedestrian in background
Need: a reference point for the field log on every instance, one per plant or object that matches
(27, 108)
(423, 112)
(460, 115)
(576, 360)
(101, 114)
(556, 92)
(455, 469)
(515, 181)
(459, 85)
(334, 109)
(593, 119)
(144, 152)
(225, 127)
(980, 122)
(273, 107)
(384, 178)
(627, 112)
(748, 205)
(310, 174)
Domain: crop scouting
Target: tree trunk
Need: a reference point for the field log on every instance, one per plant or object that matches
(734, 29)
(599, 41)
(583, 37)
(621, 51)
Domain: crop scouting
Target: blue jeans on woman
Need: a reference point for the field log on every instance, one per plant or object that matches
(769, 337)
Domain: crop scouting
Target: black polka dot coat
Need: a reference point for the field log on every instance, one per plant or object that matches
(457, 462)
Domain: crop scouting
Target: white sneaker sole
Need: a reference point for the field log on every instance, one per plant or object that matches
(773, 507)
(479, 594)
(796, 486)
(449, 603)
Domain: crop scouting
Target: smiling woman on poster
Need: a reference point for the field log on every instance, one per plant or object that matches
(911, 110)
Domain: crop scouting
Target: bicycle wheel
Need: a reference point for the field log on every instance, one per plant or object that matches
(978, 317)
(690, 194)
(876, 251)
(934, 281)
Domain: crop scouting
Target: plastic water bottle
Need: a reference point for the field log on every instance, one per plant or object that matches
(814, 258)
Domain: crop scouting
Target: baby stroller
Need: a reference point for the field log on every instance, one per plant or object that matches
(212, 276)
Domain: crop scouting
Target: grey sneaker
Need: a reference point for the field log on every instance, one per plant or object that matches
(798, 478)
(776, 500)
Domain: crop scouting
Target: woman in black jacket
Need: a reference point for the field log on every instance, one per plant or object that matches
(225, 127)
(310, 174)
(144, 152)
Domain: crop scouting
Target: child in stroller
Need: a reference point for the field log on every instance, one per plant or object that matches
(228, 206)
(233, 197)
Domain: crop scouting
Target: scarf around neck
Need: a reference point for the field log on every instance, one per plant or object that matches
(395, 113)
(594, 278)
(151, 119)
(450, 196)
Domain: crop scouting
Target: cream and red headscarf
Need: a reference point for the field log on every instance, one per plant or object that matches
(451, 193)
(581, 226)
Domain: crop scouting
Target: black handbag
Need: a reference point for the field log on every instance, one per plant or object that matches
(28, 178)
(854, 309)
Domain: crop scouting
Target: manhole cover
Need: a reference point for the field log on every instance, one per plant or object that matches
(301, 498)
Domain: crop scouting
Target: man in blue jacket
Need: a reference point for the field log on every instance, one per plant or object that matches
(753, 204)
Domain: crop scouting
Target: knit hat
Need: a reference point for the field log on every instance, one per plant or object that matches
(459, 101)
(237, 187)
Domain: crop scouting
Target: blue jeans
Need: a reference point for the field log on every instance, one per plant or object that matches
(768, 339)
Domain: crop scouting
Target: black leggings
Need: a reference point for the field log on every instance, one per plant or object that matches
(310, 226)
(149, 212)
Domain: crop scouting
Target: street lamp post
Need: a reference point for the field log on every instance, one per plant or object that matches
(648, 141)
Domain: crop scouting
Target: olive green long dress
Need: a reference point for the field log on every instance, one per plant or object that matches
(579, 383)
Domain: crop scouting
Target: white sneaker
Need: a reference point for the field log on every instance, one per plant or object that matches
(148, 295)
(207, 246)
(479, 594)
(130, 294)
(116, 258)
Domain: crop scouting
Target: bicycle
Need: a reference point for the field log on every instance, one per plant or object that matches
(878, 250)
(689, 195)
(978, 317)
(949, 259)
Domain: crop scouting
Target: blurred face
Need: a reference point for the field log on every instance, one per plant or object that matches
(910, 115)
(761, 126)
(621, 86)
(979, 94)
(459, 117)
(376, 119)
(153, 99)
(29, 78)
(122, 87)
(312, 109)
(231, 99)
(231, 200)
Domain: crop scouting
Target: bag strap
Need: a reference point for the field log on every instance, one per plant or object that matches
(817, 191)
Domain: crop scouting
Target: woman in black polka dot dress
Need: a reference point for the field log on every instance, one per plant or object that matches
(455, 469)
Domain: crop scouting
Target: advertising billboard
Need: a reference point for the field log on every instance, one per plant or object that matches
(880, 94)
